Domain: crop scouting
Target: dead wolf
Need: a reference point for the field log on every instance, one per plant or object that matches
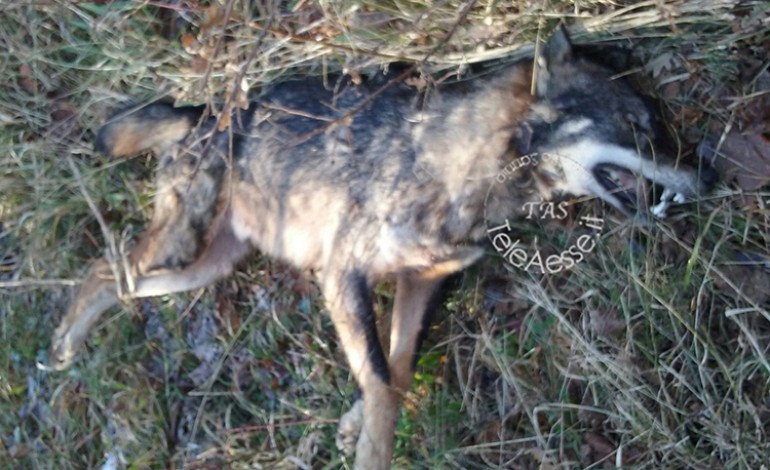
(362, 182)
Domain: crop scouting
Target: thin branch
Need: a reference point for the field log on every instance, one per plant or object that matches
(38, 283)
(112, 254)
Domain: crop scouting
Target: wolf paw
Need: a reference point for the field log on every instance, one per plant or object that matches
(61, 353)
(349, 428)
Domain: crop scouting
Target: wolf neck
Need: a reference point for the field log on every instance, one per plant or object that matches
(471, 131)
(467, 139)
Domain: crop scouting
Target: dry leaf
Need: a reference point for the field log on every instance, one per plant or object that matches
(27, 79)
(606, 323)
(753, 283)
(660, 64)
(190, 43)
(213, 16)
(224, 121)
(227, 314)
(599, 447)
(200, 65)
(744, 156)
(64, 119)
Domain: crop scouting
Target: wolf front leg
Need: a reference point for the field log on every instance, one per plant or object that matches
(348, 298)
(417, 293)
(98, 291)
(415, 296)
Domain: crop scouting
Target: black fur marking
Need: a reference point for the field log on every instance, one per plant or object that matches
(363, 307)
(433, 304)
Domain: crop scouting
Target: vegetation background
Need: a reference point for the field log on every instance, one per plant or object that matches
(651, 354)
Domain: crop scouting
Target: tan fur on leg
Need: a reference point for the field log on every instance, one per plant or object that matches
(95, 295)
(98, 291)
(348, 298)
(413, 292)
(374, 449)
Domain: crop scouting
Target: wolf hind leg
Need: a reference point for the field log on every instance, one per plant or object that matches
(218, 260)
(96, 294)
(98, 291)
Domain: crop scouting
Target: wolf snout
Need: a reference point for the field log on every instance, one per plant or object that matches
(702, 180)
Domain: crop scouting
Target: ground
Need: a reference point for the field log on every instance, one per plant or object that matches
(651, 353)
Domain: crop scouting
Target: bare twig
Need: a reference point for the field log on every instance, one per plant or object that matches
(38, 283)
(112, 254)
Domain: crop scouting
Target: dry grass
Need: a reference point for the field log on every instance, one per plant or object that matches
(652, 354)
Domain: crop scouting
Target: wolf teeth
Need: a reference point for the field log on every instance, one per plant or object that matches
(659, 210)
(667, 194)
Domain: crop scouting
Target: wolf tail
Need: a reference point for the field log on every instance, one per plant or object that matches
(149, 127)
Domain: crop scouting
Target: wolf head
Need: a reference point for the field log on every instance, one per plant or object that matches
(603, 137)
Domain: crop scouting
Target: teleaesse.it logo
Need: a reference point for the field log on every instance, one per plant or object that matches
(507, 241)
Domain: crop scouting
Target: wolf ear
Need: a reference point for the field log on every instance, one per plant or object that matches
(557, 51)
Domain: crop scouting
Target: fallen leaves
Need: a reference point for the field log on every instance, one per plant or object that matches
(27, 79)
(752, 283)
(744, 153)
(64, 118)
(729, 118)
(662, 63)
(744, 157)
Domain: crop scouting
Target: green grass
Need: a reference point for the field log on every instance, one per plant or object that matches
(642, 357)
